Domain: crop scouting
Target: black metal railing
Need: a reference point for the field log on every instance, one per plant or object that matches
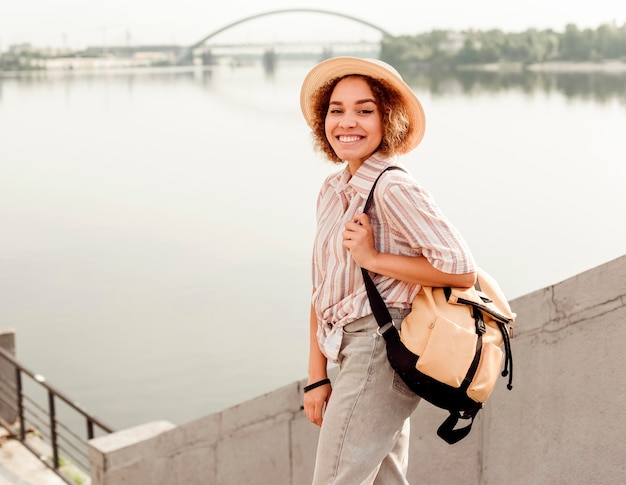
(46, 421)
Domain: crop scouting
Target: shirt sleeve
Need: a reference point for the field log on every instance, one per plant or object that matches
(415, 219)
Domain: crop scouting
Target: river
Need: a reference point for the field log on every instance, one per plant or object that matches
(157, 224)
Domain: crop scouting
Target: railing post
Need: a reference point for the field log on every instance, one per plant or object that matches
(53, 430)
(90, 433)
(8, 403)
(20, 402)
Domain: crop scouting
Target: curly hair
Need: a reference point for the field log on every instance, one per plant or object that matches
(390, 103)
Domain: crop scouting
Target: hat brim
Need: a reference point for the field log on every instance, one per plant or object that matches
(338, 67)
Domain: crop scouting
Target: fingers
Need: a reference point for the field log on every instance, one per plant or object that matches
(357, 229)
(315, 412)
(315, 404)
(317, 416)
(352, 232)
(362, 219)
(358, 236)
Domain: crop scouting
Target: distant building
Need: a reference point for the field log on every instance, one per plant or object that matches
(26, 57)
(155, 54)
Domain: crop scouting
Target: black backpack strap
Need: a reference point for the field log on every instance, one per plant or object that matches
(379, 309)
(450, 435)
(370, 197)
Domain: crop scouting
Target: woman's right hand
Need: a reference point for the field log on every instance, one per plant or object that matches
(315, 402)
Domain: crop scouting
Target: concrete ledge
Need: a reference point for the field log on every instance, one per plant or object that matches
(561, 423)
(125, 453)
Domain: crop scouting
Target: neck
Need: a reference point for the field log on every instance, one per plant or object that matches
(354, 165)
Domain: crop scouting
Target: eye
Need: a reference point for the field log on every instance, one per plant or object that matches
(367, 111)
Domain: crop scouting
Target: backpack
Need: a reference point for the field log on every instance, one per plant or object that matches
(450, 348)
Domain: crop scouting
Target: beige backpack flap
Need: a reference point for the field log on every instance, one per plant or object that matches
(490, 298)
(442, 335)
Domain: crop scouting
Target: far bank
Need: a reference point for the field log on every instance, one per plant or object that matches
(557, 66)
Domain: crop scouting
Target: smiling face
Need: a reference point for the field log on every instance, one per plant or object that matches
(353, 122)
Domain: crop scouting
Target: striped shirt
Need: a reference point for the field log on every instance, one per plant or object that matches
(405, 220)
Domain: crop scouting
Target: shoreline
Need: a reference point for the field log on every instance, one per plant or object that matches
(601, 66)
(564, 67)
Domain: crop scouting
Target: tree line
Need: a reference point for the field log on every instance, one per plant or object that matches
(607, 42)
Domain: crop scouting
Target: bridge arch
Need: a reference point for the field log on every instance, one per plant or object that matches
(289, 10)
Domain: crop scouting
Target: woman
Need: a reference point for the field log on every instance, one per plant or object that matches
(364, 116)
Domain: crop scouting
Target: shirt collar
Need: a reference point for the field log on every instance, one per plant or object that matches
(365, 176)
(363, 179)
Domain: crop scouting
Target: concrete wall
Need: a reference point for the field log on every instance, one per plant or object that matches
(564, 422)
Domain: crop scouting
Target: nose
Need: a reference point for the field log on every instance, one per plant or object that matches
(347, 121)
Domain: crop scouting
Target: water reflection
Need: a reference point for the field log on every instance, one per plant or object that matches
(600, 87)
(597, 86)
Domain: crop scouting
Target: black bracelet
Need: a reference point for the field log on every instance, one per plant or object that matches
(316, 384)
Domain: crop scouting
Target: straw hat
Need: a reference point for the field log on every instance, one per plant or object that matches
(337, 67)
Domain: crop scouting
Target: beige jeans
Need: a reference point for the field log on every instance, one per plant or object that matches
(365, 433)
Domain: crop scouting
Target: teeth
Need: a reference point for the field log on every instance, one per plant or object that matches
(348, 139)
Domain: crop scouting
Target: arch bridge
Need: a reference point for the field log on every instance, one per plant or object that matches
(187, 54)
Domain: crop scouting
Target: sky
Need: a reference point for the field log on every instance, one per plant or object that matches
(81, 23)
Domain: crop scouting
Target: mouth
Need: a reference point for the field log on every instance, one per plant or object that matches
(349, 138)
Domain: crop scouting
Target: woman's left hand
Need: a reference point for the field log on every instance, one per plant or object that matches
(358, 238)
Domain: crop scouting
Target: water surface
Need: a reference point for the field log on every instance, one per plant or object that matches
(157, 225)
